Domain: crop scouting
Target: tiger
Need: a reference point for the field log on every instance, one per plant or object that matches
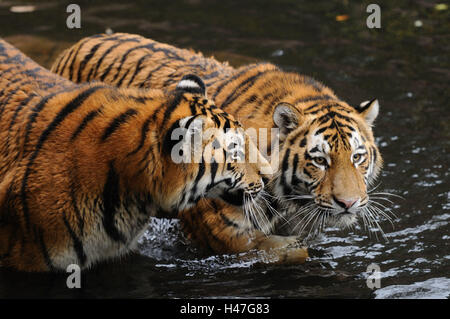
(83, 167)
(328, 158)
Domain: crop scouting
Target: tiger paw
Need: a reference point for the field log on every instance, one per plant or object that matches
(283, 250)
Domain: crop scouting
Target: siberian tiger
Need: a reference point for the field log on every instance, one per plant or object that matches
(328, 155)
(83, 167)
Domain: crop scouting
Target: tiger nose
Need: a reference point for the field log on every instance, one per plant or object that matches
(345, 203)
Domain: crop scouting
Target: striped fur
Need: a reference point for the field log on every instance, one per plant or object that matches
(83, 167)
(319, 133)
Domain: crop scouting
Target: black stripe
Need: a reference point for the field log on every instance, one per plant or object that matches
(19, 81)
(86, 60)
(285, 163)
(138, 68)
(243, 87)
(99, 62)
(75, 56)
(69, 108)
(11, 94)
(88, 77)
(374, 153)
(150, 73)
(193, 106)
(115, 123)
(122, 78)
(226, 125)
(293, 138)
(13, 120)
(44, 250)
(9, 70)
(111, 201)
(34, 113)
(284, 168)
(303, 142)
(125, 56)
(214, 167)
(63, 68)
(144, 162)
(294, 169)
(231, 79)
(89, 117)
(200, 173)
(260, 102)
(216, 120)
(276, 98)
(307, 157)
(307, 173)
(228, 222)
(321, 130)
(108, 69)
(77, 244)
(314, 149)
(144, 132)
(60, 61)
(95, 68)
(172, 106)
(11, 83)
(62, 114)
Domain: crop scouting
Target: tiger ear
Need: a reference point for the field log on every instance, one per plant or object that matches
(192, 84)
(286, 117)
(369, 110)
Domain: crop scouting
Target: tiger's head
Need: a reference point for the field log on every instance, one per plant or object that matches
(208, 153)
(328, 159)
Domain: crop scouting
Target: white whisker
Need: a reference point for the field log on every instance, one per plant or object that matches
(378, 211)
(302, 210)
(372, 213)
(387, 194)
(381, 198)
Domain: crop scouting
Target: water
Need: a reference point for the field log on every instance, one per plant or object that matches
(404, 66)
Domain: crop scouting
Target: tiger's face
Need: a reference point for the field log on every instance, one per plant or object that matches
(209, 147)
(243, 164)
(328, 160)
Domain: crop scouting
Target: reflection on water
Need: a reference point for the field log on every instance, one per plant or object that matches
(429, 289)
(404, 66)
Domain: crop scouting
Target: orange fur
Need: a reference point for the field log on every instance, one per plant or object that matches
(83, 167)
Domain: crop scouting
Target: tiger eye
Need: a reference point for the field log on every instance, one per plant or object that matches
(320, 160)
(356, 157)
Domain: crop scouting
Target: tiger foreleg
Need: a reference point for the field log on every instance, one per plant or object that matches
(224, 229)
